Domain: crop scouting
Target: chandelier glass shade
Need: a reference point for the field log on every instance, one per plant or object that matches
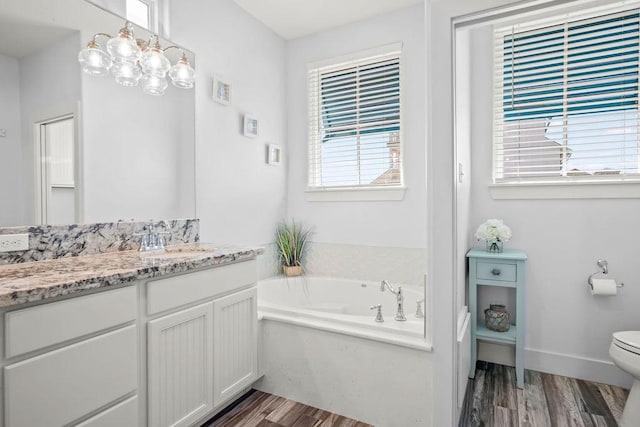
(181, 74)
(123, 47)
(131, 61)
(154, 85)
(126, 73)
(95, 61)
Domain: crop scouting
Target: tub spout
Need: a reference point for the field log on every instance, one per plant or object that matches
(400, 317)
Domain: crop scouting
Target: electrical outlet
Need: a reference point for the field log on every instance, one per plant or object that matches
(3, 133)
(14, 242)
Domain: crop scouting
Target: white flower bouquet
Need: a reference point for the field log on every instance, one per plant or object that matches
(495, 233)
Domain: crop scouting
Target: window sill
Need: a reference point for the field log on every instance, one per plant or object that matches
(566, 190)
(355, 194)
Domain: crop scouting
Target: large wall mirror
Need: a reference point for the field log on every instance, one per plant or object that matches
(77, 148)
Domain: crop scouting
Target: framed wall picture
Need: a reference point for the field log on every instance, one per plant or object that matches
(274, 154)
(221, 90)
(250, 126)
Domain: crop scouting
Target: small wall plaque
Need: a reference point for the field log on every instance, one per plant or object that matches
(221, 91)
(250, 126)
(274, 154)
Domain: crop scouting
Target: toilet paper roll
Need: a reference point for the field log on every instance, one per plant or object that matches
(604, 287)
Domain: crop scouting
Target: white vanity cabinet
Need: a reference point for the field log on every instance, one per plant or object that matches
(68, 360)
(170, 351)
(201, 342)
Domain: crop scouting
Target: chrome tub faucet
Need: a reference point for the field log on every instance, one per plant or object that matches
(400, 317)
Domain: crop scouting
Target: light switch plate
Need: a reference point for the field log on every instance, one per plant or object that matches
(3, 133)
(14, 242)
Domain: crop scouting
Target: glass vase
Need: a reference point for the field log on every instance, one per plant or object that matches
(494, 246)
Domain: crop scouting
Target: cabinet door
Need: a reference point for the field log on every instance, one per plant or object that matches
(180, 357)
(235, 343)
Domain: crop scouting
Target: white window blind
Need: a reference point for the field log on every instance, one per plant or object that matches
(354, 122)
(566, 99)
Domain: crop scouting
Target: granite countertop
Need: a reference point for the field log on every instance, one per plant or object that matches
(34, 281)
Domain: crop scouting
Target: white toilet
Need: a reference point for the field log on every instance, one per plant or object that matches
(625, 352)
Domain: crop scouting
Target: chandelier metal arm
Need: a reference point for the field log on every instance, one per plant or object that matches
(174, 47)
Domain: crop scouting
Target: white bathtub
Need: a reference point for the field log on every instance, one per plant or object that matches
(343, 306)
(320, 345)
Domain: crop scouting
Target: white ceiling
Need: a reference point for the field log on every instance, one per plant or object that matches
(27, 26)
(21, 38)
(291, 19)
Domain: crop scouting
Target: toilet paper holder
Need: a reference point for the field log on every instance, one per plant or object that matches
(604, 269)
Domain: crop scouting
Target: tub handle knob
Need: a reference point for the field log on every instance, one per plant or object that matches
(419, 312)
(378, 313)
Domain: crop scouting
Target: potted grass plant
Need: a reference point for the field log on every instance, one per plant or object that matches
(291, 243)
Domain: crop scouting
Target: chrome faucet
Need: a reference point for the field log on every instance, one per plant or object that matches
(399, 298)
(152, 240)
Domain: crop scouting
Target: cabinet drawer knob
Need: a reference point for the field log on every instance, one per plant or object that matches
(496, 272)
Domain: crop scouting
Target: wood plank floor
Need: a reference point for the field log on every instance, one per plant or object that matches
(266, 410)
(547, 400)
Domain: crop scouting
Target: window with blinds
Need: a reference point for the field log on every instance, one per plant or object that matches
(354, 123)
(566, 101)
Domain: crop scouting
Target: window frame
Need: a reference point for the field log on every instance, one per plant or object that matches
(152, 15)
(365, 192)
(556, 187)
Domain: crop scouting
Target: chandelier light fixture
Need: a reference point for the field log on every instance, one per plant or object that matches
(131, 61)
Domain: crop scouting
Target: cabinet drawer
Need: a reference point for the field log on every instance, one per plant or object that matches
(38, 327)
(61, 386)
(165, 294)
(496, 271)
(124, 414)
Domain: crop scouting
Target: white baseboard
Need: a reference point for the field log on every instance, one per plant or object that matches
(601, 371)
(568, 365)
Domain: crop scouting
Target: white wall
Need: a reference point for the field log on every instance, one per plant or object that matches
(568, 331)
(388, 223)
(49, 88)
(239, 197)
(441, 246)
(11, 189)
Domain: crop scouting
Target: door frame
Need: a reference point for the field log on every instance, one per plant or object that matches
(40, 182)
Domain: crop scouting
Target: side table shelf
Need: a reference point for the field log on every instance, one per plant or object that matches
(505, 269)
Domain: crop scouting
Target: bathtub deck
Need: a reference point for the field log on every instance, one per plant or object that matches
(546, 400)
(267, 410)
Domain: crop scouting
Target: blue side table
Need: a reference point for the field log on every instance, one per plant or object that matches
(507, 270)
